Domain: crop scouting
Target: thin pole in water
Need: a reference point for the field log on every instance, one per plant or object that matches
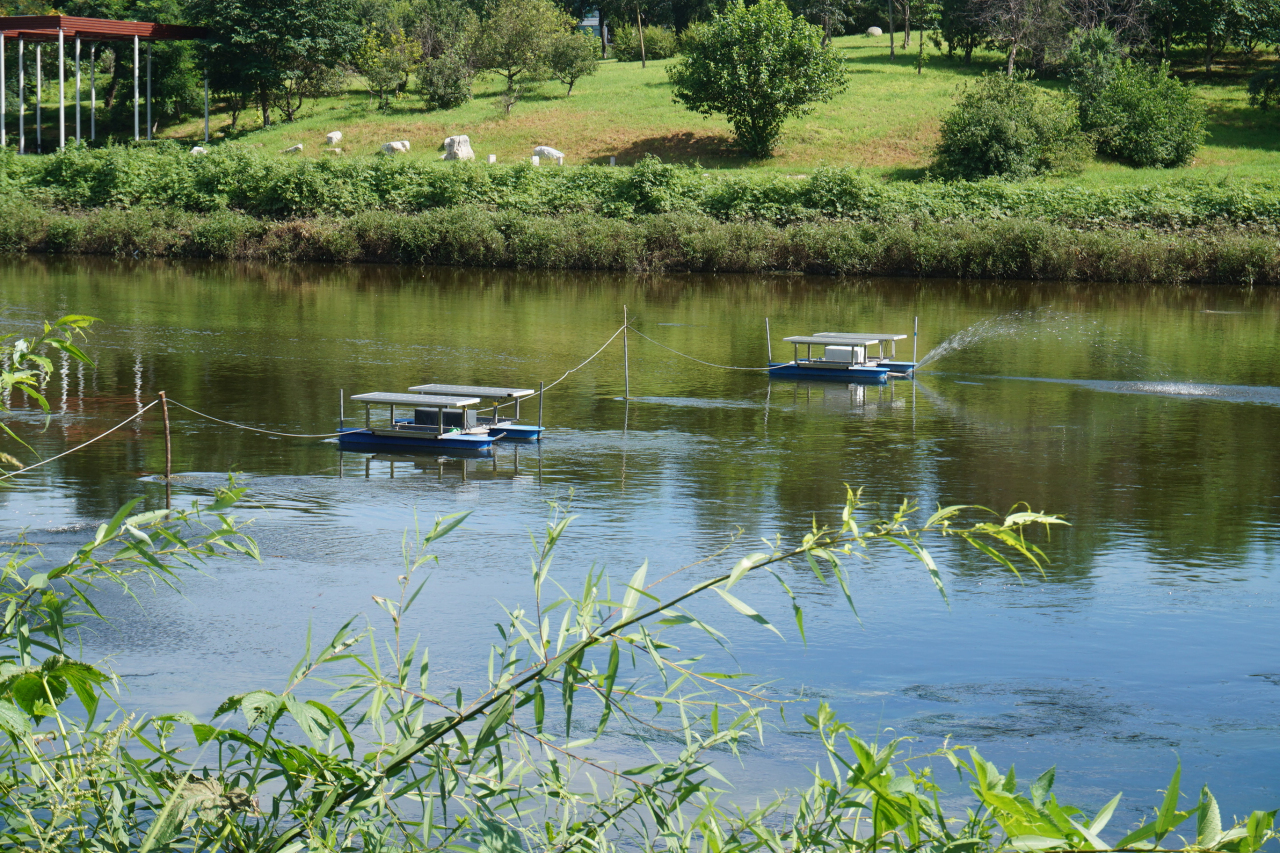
(915, 340)
(540, 387)
(768, 344)
(626, 364)
(168, 453)
(342, 399)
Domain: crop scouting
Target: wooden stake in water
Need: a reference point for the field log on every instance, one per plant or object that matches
(626, 365)
(168, 454)
(915, 340)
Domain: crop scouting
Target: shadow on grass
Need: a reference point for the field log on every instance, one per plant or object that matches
(1244, 127)
(685, 148)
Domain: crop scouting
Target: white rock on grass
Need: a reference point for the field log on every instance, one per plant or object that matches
(333, 150)
(458, 148)
(401, 147)
(546, 152)
(199, 150)
(293, 150)
(332, 139)
(874, 31)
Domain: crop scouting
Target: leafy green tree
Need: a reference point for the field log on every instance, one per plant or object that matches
(386, 58)
(1007, 127)
(269, 47)
(758, 65)
(570, 57)
(961, 27)
(513, 39)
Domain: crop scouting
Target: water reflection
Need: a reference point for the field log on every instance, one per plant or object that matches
(1152, 618)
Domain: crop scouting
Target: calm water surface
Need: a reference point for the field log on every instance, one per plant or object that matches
(1147, 416)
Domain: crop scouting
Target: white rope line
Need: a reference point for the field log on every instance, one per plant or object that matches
(691, 358)
(132, 417)
(253, 429)
(547, 388)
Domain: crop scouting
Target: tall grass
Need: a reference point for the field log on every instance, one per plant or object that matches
(470, 235)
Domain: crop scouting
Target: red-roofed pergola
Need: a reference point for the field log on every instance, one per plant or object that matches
(43, 29)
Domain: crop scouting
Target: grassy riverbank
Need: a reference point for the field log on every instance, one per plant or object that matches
(886, 122)
(469, 235)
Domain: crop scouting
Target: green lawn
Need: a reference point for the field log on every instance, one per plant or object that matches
(886, 122)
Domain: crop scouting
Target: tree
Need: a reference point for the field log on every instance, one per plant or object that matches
(759, 66)
(962, 27)
(570, 57)
(1146, 118)
(270, 47)
(386, 58)
(1023, 24)
(513, 39)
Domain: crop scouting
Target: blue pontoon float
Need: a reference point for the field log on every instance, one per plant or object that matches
(506, 428)
(447, 429)
(844, 358)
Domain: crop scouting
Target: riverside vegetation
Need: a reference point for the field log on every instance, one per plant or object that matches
(236, 203)
(394, 761)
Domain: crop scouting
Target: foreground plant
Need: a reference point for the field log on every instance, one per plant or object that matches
(394, 761)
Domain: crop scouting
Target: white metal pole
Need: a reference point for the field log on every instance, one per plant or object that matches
(3, 140)
(915, 339)
(62, 90)
(626, 362)
(768, 342)
(93, 92)
(79, 90)
(148, 90)
(39, 114)
(22, 99)
(136, 105)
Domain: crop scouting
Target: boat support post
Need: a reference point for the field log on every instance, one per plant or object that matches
(626, 365)
(915, 338)
(341, 408)
(541, 385)
(368, 422)
(768, 344)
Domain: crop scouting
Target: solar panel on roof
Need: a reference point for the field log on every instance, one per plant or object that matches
(473, 390)
(430, 400)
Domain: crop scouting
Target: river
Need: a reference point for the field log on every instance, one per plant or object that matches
(1146, 416)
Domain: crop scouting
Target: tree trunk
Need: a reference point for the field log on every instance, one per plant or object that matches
(1013, 51)
(604, 42)
(264, 101)
(1208, 54)
(640, 30)
(906, 24)
(891, 54)
(826, 30)
(968, 52)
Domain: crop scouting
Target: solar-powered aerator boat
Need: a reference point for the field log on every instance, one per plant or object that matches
(450, 426)
(844, 358)
(502, 427)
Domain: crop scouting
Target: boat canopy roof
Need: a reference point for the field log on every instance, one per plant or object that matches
(428, 400)
(840, 339)
(473, 391)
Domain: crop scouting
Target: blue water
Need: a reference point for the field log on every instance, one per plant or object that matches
(1149, 638)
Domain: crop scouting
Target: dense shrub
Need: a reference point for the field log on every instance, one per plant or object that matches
(1008, 127)
(1264, 88)
(446, 81)
(1146, 118)
(241, 179)
(659, 43)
